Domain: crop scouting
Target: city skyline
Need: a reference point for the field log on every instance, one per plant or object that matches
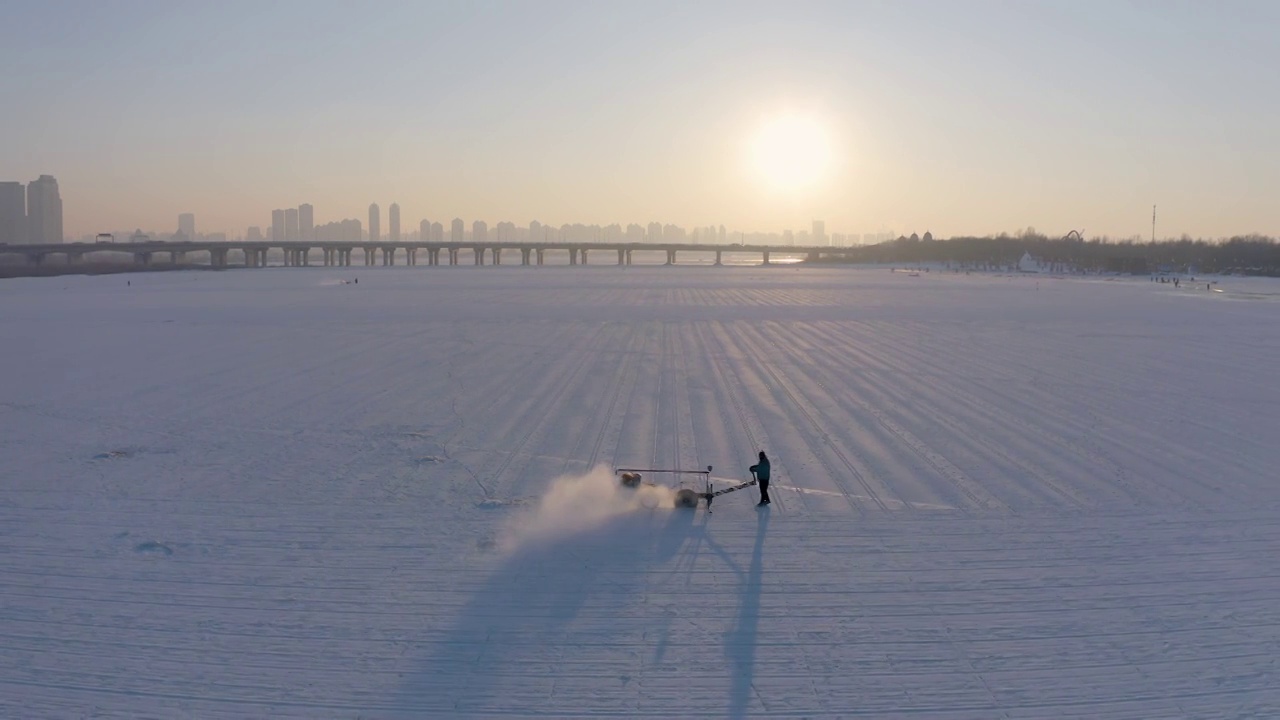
(872, 116)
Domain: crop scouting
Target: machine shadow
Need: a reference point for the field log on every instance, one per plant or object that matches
(740, 643)
(514, 627)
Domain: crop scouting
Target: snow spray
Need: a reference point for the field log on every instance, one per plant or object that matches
(575, 503)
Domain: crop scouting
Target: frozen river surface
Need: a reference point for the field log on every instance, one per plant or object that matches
(271, 493)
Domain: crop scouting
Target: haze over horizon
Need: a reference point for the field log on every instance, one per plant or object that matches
(959, 118)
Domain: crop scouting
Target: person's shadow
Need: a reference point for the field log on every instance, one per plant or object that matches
(740, 643)
(515, 625)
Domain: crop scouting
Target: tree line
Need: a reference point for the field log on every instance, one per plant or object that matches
(1245, 255)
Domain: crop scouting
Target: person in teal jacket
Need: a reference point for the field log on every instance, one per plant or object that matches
(761, 473)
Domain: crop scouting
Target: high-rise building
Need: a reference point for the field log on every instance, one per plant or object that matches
(535, 232)
(456, 230)
(277, 225)
(307, 222)
(393, 217)
(187, 225)
(13, 213)
(291, 224)
(424, 231)
(375, 223)
(254, 234)
(479, 231)
(44, 211)
(819, 234)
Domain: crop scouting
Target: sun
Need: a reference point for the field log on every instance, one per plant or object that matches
(791, 153)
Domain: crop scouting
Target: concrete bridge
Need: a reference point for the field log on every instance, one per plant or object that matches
(369, 254)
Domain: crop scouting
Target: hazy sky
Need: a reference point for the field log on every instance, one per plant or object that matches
(956, 117)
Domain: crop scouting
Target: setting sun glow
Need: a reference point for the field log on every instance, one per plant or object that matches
(791, 153)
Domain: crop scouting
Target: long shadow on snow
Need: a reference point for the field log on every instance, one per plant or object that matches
(516, 626)
(740, 645)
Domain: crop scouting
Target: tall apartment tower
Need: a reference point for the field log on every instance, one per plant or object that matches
(819, 233)
(187, 225)
(375, 223)
(306, 222)
(424, 231)
(277, 225)
(479, 231)
(44, 211)
(457, 230)
(291, 224)
(13, 213)
(393, 216)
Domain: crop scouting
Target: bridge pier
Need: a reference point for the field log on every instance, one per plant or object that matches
(622, 256)
(766, 258)
(72, 258)
(176, 257)
(218, 257)
(411, 256)
(388, 256)
(524, 255)
(453, 256)
(539, 251)
(368, 256)
(671, 257)
(584, 256)
(142, 259)
(497, 256)
(433, 256)
(573, 256)
(479, 256)
(718, 257)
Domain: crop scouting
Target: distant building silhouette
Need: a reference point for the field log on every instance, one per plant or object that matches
(456, 230)
(535, 232)
(187, 225)
(437, 232)
(654, 232)
(424, 231)
(277, 225)
(819, 234)
(44, 211)
(306, 222)
(393, 216)
(375, 223)
(13, 213)
(291, 224)
(479, 231)
(254, 234)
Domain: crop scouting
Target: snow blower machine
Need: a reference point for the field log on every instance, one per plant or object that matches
(685, 497)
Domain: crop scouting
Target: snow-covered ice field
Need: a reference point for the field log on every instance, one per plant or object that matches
(270, 494)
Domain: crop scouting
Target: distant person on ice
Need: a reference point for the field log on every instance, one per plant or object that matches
(761, 473)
